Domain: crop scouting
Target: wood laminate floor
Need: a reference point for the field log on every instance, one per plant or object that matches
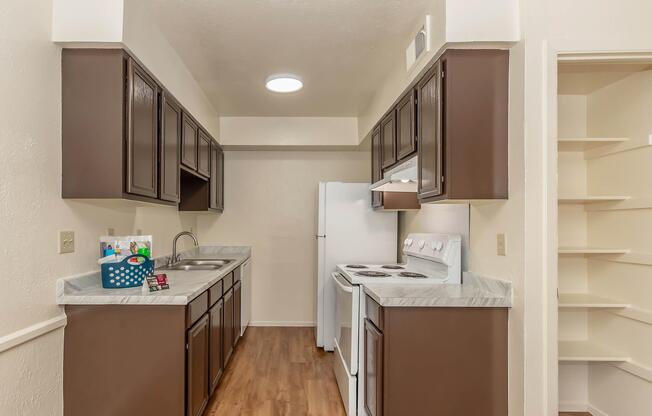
(277, 371)
(574, 414)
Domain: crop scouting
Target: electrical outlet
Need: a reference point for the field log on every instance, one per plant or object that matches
(500, 244)
(110, 231)
(66, 242)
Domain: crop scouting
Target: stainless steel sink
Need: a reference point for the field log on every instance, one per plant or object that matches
(198, 264)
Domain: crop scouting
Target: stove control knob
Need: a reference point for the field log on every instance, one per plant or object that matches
(422, 244)
(440, 245)
(433, 245)
(408, 242)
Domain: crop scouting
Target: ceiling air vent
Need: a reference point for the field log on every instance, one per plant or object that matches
(419, 45)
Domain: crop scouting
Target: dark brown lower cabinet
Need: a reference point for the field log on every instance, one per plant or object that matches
(435, 361)
(228, 326)
(373, 377)
(237, 315)
(187, 348)
(216, 317)
(197, 367)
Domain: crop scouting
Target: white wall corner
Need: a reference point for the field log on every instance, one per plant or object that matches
(87, 21)
(482, 21)
(289, 131)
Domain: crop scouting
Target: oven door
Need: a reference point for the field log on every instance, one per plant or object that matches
(347, 322)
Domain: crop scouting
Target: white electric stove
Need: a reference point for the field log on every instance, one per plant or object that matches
(431, 259)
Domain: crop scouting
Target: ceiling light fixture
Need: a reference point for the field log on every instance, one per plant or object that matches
(284, 83)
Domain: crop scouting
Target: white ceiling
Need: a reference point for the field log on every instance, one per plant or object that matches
(341, 48)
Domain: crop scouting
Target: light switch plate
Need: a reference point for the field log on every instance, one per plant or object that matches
(110, 231)
(500, 244)
(66, 242)
(139, 231)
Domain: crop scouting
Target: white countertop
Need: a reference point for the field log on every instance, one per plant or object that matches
(87, 289)
(476, 291)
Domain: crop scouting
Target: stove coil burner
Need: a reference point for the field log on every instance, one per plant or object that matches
(413, 275)
(371, 273)
(392, 267)
(356, 266)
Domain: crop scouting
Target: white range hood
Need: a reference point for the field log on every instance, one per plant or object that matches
(401, 178)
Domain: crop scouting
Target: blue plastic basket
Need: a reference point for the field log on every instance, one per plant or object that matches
(123, 274)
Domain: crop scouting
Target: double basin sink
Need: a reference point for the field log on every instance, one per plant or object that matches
(197, 264)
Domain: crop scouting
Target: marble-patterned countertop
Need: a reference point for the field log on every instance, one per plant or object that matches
(87, 289)
(476, 291)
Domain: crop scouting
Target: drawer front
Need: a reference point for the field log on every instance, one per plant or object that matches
(228, 282)
(374, 312)
(196, 309)
(215, 293)
(237, 274)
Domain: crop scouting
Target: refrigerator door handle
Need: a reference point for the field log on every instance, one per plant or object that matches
(320, 236)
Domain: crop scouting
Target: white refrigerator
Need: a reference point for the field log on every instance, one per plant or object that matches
(348, 231)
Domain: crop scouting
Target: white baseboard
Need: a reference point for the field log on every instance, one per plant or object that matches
(34, 331)
(573, 407)
(283, 323)
(595, 411)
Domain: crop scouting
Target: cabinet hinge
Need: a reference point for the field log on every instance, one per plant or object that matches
(443, 73)
(187, 346)
(416, 100)
(442, 179)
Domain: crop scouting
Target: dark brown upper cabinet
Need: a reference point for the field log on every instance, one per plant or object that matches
(110, 127)
(189, 145)
(406, 139)
(388, 139)
(171, 122)
(376, 169)
(204, 153)
(217, 178)
(462, 127)
(429, 127)
(142, 132)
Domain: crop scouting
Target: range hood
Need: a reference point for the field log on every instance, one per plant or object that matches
(401, 178)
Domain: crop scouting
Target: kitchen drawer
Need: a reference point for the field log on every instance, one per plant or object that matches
(228, 282)
(237, 274)
(374, 312)
(196, 309)
(215, 293)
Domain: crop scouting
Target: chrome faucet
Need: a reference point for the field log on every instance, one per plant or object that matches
(175, 256)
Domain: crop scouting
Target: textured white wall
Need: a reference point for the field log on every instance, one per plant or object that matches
(271, 204)
(32, 211)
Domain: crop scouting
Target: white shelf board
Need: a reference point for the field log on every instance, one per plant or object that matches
(587, 351)
(578, 144)
(592, 250)
(585, 300)
(588, 199)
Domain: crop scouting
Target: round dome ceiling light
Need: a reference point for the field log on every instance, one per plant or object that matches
(284, 83)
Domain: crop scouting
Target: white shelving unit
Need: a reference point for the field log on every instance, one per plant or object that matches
(587, 351)
(589, 199)
(587, 143)
(588, 251)
(585, 300)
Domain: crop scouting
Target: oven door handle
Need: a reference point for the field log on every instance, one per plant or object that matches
(346, 288)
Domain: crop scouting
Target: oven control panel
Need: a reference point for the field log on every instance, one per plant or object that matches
(437, 247)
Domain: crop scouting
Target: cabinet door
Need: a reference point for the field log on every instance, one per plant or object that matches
(204, 153)
(216, 315)
(376, 169)
(217, 178)
(197, 367)
(189, 142)
(237, 311)
(169, 148)
(429, 131)
(406, 141)
(388, 140)
(142, 132)
(373, 367)
(228, 326)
